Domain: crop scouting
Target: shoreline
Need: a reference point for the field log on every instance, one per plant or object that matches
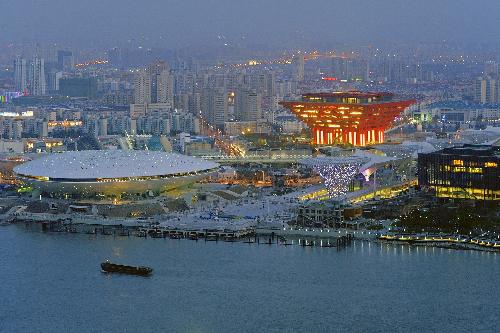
(312, 237)
(455, 242)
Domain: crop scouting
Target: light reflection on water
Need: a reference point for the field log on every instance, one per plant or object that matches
(52, 283)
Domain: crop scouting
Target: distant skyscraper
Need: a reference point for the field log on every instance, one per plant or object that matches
(341, 68)
(486, 90)
(247, 105)
(214, 106)
(350, 69)
(270, 84)
(65, 60)
(53, 78)
(155, 85)
(298, 68)
(20, 75)
(491, 68)
(154, 71)
(194, 103)
(142, 90)
(263, 83)
(37, 81)
(165, 87)
(391, 69)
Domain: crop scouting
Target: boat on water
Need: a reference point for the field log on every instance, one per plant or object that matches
(109, 267)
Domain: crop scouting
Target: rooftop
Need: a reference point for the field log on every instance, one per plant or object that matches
(471, 150)
(93, 164)
(349, 97)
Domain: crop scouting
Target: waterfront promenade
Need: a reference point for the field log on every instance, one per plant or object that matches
(227, 229)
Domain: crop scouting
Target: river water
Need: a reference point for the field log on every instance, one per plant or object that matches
(51, 282)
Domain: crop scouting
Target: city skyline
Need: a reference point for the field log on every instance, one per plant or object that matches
(242, 166)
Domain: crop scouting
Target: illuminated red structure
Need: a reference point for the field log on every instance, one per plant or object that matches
(358, 118)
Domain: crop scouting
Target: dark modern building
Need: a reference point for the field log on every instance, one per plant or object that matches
(467, 172)
(78, 87)
(65, 60)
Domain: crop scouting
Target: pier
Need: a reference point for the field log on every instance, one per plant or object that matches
(243, 236)
(246, 233)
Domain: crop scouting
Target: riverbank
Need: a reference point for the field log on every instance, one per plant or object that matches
(321, 237)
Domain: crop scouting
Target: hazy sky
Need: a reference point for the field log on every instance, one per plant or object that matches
(272, 22)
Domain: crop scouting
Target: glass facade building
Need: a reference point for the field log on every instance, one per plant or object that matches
(467, 172)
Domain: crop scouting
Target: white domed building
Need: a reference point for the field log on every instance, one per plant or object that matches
(113, 172)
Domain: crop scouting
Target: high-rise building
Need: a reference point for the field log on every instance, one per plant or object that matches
(298, 68)
(214, 106)
(165, 88)
(91, 126)
(341, 68)
(37, 83)
(17, 129)
(390, 69)
(142, 90)
(78, 87)
(247, 105)
(65, 60)
(263, 83)
(53, 78)
(181, 101)
(194, 103)
(103, 127)
(20, 75)
(344, 68)
(155, 85)
(270, 84)
(154, 71)
(486, 90)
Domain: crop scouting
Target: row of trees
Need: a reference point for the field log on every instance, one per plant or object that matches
(463, 220)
